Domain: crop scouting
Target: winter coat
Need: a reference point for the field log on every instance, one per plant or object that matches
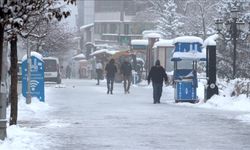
(111, 70)
(157, 74)
(126, 69)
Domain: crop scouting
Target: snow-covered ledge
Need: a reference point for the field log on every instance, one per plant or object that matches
(211, 40)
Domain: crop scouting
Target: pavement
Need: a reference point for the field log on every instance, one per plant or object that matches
(86, 118)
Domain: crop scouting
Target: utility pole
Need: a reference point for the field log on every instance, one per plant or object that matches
(121, 24)
(28, 97)
(234, 34)
(3, 94)
(3, 71)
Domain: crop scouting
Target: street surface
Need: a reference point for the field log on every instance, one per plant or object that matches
(84, 117)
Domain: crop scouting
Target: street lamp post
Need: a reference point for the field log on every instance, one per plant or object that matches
(234, 25)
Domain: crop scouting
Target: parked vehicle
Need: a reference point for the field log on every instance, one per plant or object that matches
(52, 69)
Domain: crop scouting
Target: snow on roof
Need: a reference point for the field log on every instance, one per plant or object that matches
(83, 60)
(103, 51)
(152, 35)
(189, 55)
(211, 40)
(35, 54)
(86, 26)
(140, 59)
(188, 39)
(139, 42)
(55, 58)
(79, 56)
(164, 43)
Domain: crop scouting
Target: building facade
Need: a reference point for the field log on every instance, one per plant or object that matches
(85, 22)
(109, 21)
(115, 22)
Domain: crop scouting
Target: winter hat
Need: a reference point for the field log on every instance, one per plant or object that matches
(112, 61)
(157, 62)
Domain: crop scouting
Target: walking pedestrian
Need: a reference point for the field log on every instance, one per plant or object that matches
(126, 70)
(110, 75)
(157, 74)
(99, 71)
(68, 72)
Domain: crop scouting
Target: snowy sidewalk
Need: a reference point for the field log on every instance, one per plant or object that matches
(79, 115)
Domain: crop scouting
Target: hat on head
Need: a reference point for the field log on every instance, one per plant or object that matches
(157, 62)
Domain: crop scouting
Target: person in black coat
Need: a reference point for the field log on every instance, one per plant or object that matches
(110, 75)
(126, 70)
(157, 74)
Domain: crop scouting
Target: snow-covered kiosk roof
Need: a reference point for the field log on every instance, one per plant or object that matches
(188, 48)
(35, 54)
(79, 57)
(139, 44)
(152, 35)
(164, 43)
(103, 51)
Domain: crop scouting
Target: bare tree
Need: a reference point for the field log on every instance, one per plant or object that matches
(15, 18)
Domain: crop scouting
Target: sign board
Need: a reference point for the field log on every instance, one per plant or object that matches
(185, 91)
(188, 47)
(37, 76)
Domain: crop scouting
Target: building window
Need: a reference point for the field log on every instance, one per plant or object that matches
(97, 28)
(126, 28)
(104, 28)
(113, 28)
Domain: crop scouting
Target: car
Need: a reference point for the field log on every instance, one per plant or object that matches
(52, 71)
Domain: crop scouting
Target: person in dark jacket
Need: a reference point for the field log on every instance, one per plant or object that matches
(126, 70)
(68, 72)
(110, 75)
(157, 74)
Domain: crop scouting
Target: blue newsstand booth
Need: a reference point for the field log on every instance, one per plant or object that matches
(187, 52)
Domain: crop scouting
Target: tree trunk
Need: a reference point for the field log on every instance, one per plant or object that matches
(1, 47)
(14, 80)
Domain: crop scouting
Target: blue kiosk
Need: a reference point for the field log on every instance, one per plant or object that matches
(37, 76)
(187, 52)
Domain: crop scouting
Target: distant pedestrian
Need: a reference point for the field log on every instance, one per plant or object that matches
(68, 72)
(126, 70)
(157, 74)
(110, 75)
(99, 71)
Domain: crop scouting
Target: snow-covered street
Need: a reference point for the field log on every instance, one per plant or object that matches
(79, 115)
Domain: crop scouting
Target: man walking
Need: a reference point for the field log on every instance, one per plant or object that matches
(110, 75)
(126, 70)
(157, 74)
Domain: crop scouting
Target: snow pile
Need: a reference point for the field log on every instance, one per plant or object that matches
(21, 136)
(226, 101)
(237, 103)
(34, 110)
